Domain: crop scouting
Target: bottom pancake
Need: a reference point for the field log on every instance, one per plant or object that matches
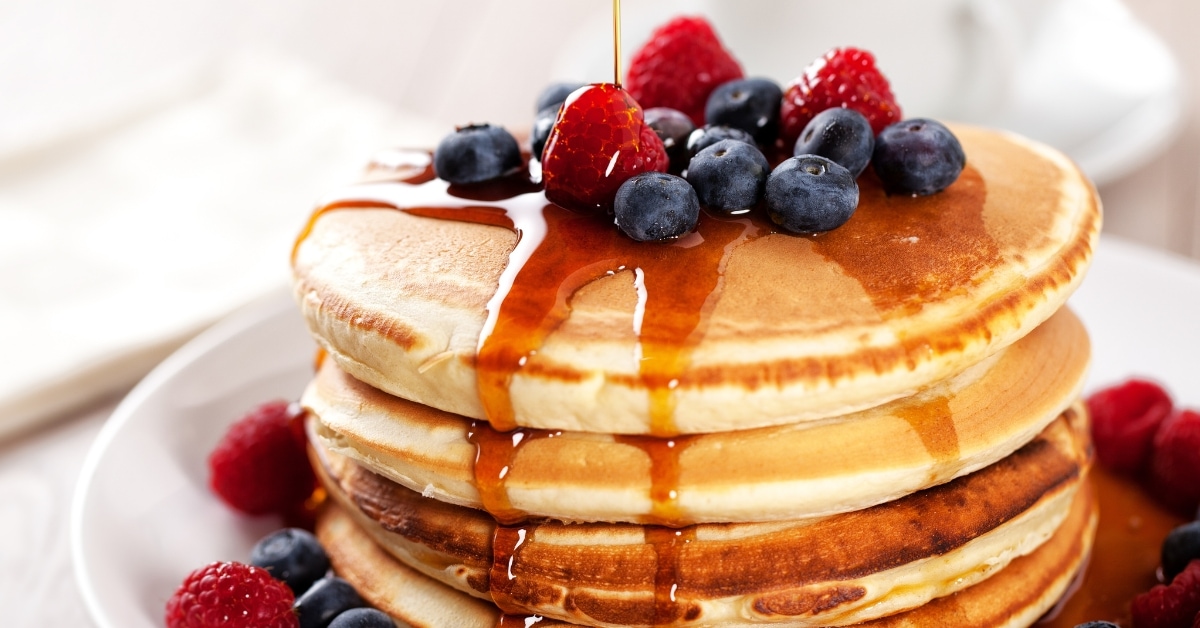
(839, 570)
(1014, 597)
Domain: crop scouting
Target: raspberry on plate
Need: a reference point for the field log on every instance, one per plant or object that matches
(231, 595)
(680, 65)
(1124, 420)
(843, 77)
(1174, 467)
(1170, 606)
(599, 141)
(260, 465)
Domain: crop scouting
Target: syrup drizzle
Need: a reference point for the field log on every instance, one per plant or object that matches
(668, 543)
(664, 454)
(495, 456)
(934, 425)
(507, 543)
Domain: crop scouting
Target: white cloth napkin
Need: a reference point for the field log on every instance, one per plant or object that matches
(125, 236)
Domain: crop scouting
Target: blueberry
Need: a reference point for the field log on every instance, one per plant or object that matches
(729, 175)
(293, 556)
(918, 156)
(1181, 547)
(475, 153)
(673, 128)
(751, 105)
(810, 194)
(1097, 624)
(325, 599)
(555, 93)
(363, 618)
(843, 135)
(708, 135)
(541, 130)
(656, 206)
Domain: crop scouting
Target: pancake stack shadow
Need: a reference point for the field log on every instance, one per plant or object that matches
(523, 420)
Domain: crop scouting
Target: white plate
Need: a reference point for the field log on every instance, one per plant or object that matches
(143, 516)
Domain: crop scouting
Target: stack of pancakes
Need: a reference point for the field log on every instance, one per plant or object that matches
(523, 418)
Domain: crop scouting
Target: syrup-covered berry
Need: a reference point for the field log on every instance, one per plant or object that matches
(656, 206)
(918, 156)
(729, 175)
(599, 141)
(476, 153)
(811, 194)
(673, 128)
(842, 135)
(293, 556)
(709, 134)
(1097, 624)
(751, 105)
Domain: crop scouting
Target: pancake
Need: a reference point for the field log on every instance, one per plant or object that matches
(573, 327)
(1015, 597)
(774, 473)
(838, 570)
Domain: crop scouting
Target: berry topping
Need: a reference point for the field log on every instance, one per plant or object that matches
(1174, 466)
(708, 135)
(260, 465)
(656, 206)
(679, 67)
(841, 135)
(1097, 624)
(673, 128)
(1124, 420)
(555, 94)
(1170, 606)
(729, 175)
(751, 105)
(325, 599)
(843, 77)
(811, 194)
(1181, 547)
(231, 595)
(475, 153)
(599, 141)
(918, 156)
(542, 124)
(362, 618)
(293, 556)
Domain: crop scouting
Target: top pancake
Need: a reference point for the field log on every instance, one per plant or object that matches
(735, 326)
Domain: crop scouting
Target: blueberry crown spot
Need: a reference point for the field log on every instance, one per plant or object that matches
(814, 168)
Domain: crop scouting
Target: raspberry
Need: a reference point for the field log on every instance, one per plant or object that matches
(598, 142)
(843, 77)
(1170, 606)
(680, 65)
(1124, 420)
(260, 465)
(1175, 462)
(231, 595)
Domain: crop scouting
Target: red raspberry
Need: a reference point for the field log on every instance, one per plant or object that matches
(231, 595)
(843, 77)
(598, 142)
(1174, 476)
(260, 465)
(681, 64)
(1124, 420)
(1170, 606)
